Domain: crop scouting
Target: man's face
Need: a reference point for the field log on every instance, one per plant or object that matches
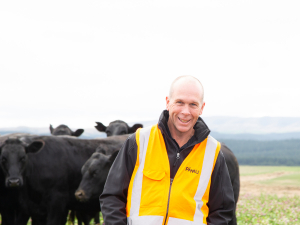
(184, 107)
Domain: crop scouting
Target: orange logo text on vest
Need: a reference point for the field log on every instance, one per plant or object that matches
(192, 171)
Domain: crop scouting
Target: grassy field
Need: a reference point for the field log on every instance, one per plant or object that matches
(269, 195)
(268, 209)
(256, 170)
(273, 175)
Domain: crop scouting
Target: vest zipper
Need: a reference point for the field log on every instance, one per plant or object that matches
(168, 201)
(177, 158)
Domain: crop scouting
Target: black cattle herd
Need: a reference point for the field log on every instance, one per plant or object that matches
(51, 179)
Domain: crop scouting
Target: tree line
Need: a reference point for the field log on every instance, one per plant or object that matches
(269, 153)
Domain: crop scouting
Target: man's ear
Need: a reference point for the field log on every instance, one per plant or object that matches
(167, 102)
(202, 107)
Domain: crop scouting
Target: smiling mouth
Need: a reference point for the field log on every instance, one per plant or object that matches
(184, 121)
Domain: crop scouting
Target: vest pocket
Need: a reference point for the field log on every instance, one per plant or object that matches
(155, 184)
(154, 175)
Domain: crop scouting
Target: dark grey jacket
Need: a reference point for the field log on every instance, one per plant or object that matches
(114, 197)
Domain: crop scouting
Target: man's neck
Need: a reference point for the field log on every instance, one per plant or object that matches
(180, 138)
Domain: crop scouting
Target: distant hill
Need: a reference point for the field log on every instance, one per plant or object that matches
(263, 128)
(238, 125)
(89, 133)
(261, 125)
(257, 137)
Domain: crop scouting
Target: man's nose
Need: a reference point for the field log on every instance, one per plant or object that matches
(186, 109)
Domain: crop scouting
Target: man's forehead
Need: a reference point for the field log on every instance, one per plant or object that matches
(187, 81)
(187, 88)
(185, 84)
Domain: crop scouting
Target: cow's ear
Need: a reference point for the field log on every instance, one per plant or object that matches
(51, 129)
(113, 157)
(134, 128)
(35, 146)
(100, 127)
(78, 132)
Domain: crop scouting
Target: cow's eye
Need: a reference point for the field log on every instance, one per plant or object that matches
(108, 133)
(123, 132)
(94, 173)
(3, 160)
(22, 159)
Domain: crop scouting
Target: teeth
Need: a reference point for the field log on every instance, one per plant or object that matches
(184, 121)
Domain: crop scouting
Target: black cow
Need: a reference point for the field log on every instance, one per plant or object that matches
(9, 202)
(48, 169)
(95, 170)
(117, 127)
(94, 174)
(65, 130)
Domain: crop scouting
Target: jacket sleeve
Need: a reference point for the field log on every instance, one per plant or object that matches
(221, 199)
(114, 196)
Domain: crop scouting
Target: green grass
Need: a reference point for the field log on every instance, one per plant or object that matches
(285, 180)
(257, 170)
(76, 222)
(270, 209)
(291, 178)
(69, 223)
(267, 209)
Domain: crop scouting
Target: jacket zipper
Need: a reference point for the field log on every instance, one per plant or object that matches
(177, 158)
(168, 201)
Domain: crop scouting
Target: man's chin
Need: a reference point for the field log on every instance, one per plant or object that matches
(183, 129)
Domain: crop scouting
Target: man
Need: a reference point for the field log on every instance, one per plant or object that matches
(173, 172)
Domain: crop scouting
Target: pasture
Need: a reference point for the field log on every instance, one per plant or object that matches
(275, 180)
(269, 195)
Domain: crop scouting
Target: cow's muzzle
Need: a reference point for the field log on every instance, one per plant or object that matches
(14, 182)
(80, 195)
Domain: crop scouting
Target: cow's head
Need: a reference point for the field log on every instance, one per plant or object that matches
(117, 127)
(13, 159)
(65, 130)
(94, 174)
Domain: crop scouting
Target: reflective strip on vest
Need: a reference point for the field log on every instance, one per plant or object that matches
(148, 201)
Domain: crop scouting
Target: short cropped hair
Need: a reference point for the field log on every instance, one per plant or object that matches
(190, 78)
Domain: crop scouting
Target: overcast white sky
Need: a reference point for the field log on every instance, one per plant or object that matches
(77, 62)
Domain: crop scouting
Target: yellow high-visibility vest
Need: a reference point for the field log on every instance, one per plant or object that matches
(153, 198)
